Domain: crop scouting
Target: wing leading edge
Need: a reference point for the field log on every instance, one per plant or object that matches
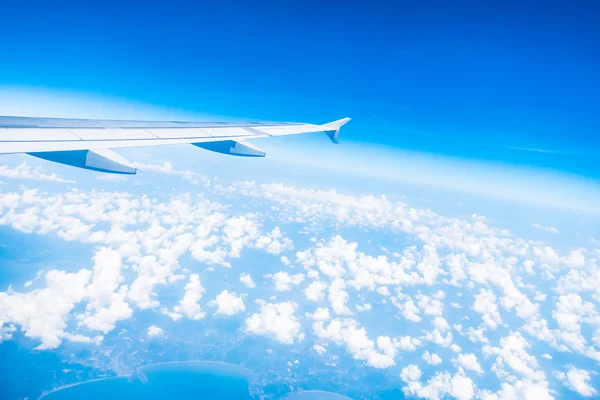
(87, 143)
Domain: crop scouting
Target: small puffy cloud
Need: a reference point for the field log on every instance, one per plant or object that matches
(441, 324)
(429, 305)
(407, 343)
(409, 310)
(228, 303)
(189, 303)
(321, 314)
(284, 281)
(315, 291)
(410, 373)
(468, 362)
(246, 279)
(276, 320)
(431, 359)
(275, 243)
(339, 297)
(485, 304)
(319, 349)
(154, 331)
(440, 386)
(577, 380)
(77, 338)
(383, 290)
(377, 354)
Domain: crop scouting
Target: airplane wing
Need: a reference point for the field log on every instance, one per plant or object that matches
(87, 143)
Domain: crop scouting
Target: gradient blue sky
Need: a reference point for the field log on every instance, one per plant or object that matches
(510, 82)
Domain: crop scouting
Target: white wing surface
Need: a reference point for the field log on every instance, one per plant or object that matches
(86, 143)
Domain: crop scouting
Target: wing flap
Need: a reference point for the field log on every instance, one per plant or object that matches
(232, 147)
(102, 160)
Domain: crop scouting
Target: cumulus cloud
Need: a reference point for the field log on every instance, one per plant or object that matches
(577, 380)
(380, 353)
(490, 279)
(188, 305)
(154, 331)
(468, 362)
(485, 304)
(439, 386)
(284, 281)
(276, 320)
(228, 303)
(315, 291)
(246, 279)
(25, 171)
(339, 297)
(431, 359)
(319, 349)
(42, 313)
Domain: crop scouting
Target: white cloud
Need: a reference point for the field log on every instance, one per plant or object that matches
(429, 305)
(410, 373)
(513, 362)
(146, 237)
(578, 380)
(319, 349)
(441, 324)
(485, 304)
(409, 310)
(440, 385)
(315, 291)
(107, 302)
(228, 303)
(468, 362)
(383, 290)
(321, 314)
(25, 171)
(246, 279)
(549, 229)
(154, 331)
(379, 354)
(339, 297)
(42, 313)
(167, 168)
(407, 343)
(431, 359)
(276, 320)
(284, 281)
(189, 303)
(275, 243)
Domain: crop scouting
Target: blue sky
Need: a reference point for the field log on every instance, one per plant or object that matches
(510, 82)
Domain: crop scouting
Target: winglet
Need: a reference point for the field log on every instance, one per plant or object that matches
(332, 129)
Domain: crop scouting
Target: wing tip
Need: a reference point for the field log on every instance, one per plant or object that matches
(332, 129)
